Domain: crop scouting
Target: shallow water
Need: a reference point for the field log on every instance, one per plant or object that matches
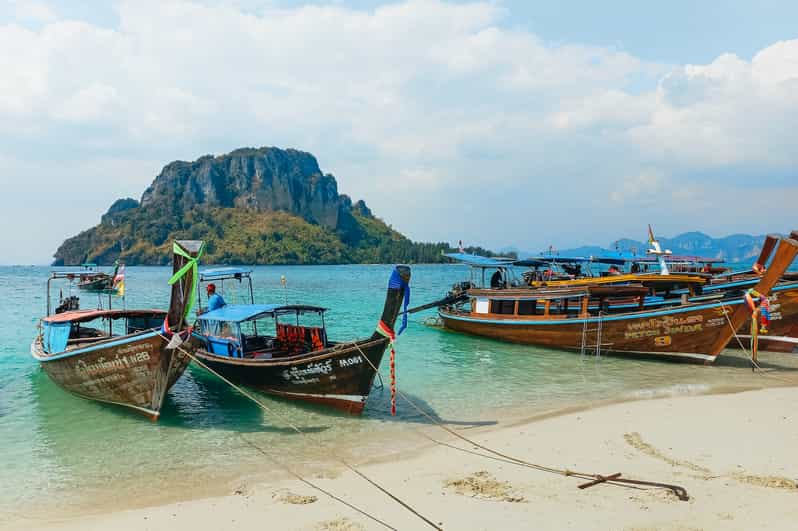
(61, 453)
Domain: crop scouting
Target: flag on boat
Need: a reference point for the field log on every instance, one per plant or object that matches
(119, 281)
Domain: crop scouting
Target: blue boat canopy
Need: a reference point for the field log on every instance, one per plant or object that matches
(237, 313)
(480, 261)
(537, 261)
(224, 272)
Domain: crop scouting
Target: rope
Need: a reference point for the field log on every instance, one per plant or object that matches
(496, 458)
(679, 491)
(313, 485)
(387, 332)
(300, 432)
(760, 371)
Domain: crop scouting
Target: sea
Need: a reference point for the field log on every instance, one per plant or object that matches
(61, 455)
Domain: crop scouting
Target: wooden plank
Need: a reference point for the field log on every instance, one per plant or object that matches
(767, 249)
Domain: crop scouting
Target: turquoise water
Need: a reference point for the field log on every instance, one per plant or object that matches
(65, 454)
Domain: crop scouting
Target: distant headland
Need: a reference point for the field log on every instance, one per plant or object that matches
(252, 206)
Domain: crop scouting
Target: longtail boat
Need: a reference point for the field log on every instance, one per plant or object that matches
(691, 330)
(90, 279)
(667, 288)
(82, 352)
(283, 349)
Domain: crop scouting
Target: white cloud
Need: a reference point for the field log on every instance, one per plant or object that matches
(645, 187)
(727, 113)
(31, 11)
(418, 98)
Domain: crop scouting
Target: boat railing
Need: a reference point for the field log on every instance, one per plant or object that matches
(221, 275)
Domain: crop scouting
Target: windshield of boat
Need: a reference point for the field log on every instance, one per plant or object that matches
(258, 327)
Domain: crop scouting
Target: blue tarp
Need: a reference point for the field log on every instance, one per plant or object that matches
(56, 336)
(536, 261)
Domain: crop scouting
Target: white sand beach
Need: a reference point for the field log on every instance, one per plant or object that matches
(736, 454)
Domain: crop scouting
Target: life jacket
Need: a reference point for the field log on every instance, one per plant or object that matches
(315, 339)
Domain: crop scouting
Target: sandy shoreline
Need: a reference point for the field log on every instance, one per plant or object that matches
(735, 454)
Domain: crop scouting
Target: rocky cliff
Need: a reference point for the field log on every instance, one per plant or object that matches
(264, 205)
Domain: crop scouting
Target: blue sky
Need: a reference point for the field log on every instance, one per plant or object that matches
(500, 123)
(678, 31)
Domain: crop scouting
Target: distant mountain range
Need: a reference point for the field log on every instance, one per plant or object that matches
(731, 249)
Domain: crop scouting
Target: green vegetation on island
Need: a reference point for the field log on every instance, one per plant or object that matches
(251, 206)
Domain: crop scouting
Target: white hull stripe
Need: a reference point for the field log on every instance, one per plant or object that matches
(781, 339)
(692, 355)
(346, 398)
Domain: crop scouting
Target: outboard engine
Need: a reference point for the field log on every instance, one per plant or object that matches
(459, 288)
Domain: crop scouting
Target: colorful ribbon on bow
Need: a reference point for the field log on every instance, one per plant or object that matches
(386, 331)
(764, 307)
(192, 264)
(397, 282)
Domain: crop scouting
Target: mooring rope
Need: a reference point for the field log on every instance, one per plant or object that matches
(313, 485)
(497, 458)
(680, 492)
(759, 371)
(299, 431)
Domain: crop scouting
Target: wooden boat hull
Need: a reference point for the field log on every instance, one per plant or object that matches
(133, 371)
(783, 323)
(670, 334)
(338, 377)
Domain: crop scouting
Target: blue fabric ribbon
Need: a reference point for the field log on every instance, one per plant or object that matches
(397, 282)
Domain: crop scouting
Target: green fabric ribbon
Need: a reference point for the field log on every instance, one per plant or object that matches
(192, 264)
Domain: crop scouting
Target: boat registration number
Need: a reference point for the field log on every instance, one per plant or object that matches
(348, 362)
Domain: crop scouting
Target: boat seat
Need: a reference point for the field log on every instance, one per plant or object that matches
(87, 340)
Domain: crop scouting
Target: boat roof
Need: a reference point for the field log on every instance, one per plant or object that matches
(71, 273)
(631, 290)
(476, 260)
(671, 258)
(237, 313)
(620, 258)
(530, 294)
(219, 273)
(535, 261)
(82, 316)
